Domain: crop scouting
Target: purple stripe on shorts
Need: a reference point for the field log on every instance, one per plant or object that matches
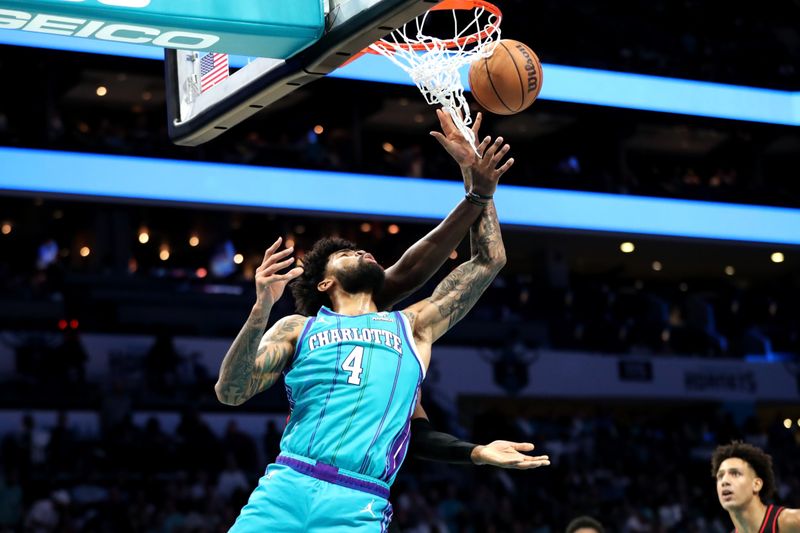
(331, 474)
(387, 518)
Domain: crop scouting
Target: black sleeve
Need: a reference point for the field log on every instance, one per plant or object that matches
(432, 445)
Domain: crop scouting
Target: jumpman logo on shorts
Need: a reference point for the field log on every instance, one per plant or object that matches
(368, 508)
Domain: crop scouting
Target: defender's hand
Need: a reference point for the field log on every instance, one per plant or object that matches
(484, 170)
(454, 142)
(506, 454)
(269, 284)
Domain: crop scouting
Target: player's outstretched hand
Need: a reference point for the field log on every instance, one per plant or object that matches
(487, 168)
(507, 454)
(269, 283)
(454, 142)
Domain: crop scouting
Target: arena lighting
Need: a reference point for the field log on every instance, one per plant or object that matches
(563, 83)
(787, 423)
(776, 257)
(627, 247)
(34, 172)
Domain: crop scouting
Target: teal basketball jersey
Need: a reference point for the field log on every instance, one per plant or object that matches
(352, 387)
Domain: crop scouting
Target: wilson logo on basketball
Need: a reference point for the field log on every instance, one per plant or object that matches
(530, 67)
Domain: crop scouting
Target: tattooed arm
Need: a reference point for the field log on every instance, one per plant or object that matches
(253, 363)
(251, 366)
(459, 291)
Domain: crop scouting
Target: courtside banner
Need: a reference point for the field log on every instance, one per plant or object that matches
(263, 28)
(546, 373)
(462, 371)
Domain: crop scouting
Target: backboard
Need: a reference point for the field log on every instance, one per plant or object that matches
(197, 113)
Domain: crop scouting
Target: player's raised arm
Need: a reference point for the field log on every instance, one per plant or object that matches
(254, 362)
(427, 255)
(458, 292)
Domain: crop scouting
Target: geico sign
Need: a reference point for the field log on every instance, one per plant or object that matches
(122, 33)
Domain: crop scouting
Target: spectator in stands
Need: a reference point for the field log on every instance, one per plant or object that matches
(161, 364)
(70, 358)
(272, 441)
(10, 501)
(48, 515)
(242, 447)
(61, 447)
(231, 480)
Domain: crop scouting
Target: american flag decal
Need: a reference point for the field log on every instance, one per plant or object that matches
(213, 69)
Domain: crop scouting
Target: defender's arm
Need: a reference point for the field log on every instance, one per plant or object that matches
(425, 257)
(432, 445)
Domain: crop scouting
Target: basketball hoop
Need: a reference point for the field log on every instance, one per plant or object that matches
(434, 63)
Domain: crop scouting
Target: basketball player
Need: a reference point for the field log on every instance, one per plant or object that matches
(352, 373)
(745, 483)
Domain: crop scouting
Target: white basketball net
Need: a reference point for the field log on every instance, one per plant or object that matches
(436, 69)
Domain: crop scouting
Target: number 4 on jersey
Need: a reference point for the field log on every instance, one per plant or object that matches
(352, 364)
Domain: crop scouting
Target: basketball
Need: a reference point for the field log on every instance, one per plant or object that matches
(509, 80)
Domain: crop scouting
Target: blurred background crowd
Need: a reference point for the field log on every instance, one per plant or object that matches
(145, 446)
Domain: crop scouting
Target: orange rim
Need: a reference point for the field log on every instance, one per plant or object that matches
(450, 43)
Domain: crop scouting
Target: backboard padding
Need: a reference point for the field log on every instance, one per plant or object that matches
(263, 82)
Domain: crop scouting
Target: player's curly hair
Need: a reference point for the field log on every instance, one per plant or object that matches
(586, 522)
(757, 458)
(307, 299)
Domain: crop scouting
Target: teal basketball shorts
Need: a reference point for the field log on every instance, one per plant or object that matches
(297, 494)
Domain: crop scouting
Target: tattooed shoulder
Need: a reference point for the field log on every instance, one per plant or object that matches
(411, 316)
(288, 328)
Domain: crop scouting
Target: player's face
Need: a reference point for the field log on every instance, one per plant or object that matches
(586, 530)
(737, 484)
(356, 271)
